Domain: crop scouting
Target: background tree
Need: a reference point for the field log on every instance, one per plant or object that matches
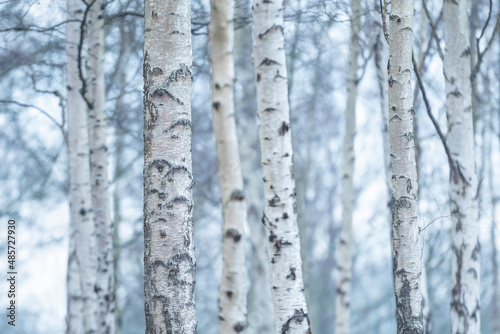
(465, 305)
(344, 262)
(82, 311)
(96, 102)
(232, 295)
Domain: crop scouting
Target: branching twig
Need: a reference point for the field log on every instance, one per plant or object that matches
(110, 18)
(480, 55)
(431, 116)
(433, 28)
(24, 105)
(33, 28)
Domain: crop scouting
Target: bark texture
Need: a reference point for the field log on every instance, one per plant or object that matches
(280, 216)
(99, 168)
(465, 303)
(407, 246)
(232, 294)
(344, 259)
(169, 256)
(82, 305)
(495, 299)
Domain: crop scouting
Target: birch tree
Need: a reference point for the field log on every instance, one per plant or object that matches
(344, 261)
(407, 247)
(82, 307)
(169, 257)
(99, 167)
(232, 294)
(465, 303)
(280, 216)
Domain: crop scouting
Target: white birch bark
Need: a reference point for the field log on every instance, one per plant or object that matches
(82, 265)
(232, 294)
(344, 257)
(259, 305)
(99, 168)
(169, 257)
(280, 216)
(380, 63)
(495, 299)
(406, 238)
(465, 309)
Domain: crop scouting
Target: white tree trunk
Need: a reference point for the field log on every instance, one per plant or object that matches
(344, 257)
(495, 299)
(232, 294)
(407, 246)
(99, 168)
(465, 309)
(169, 257)
(82, 305)
(280, 216)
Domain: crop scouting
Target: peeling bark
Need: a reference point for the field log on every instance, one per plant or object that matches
(344, 257)
(465, 304)
(232, 294)
(82, 305)
(407, 246)
(169, 257)
(280, 216)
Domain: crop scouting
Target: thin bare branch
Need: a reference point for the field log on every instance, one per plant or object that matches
(433, 28)
(33, 28)
(431, 116)
(24, 105)
(480, 55)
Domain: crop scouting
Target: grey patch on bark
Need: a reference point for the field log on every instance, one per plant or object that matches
(237, 195)
(157, 71)
(179, 122)
(398, 204)
(274, 201)
(269, 62)
(274, 27)
(233, 234)
(297, 317)
(407, 323)
(239, 327)
(283, 128)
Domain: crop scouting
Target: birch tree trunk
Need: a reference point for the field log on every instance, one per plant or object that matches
(232, 294)
(344, 260)
(465, 309)
(407, 246)
(495, 299)
(280, 216)
(169, 257)
(82, 308)
(99, 168)
(380, 56)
